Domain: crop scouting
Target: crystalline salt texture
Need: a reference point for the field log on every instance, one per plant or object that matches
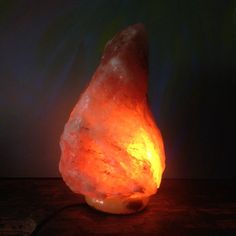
(111, 145)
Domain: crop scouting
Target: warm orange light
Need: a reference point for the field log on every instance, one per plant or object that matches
(112, 151)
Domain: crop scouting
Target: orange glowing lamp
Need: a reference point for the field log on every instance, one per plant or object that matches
(112, 150)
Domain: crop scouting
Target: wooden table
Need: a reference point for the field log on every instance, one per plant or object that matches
(181, 207)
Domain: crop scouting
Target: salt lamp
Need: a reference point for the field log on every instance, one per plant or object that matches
(112, 150)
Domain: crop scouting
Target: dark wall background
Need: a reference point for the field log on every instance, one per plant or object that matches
(49, 50)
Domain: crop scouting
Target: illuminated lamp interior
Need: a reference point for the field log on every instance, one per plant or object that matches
(111, 149)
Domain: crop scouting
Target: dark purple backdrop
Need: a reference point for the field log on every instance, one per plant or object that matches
(49, 50)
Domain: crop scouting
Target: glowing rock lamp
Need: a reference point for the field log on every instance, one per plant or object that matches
(112, 150)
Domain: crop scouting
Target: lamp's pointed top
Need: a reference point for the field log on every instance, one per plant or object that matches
(130, 44)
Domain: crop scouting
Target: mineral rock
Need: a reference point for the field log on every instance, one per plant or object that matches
(110, 145)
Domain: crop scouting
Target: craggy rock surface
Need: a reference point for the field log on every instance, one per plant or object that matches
(111, 145)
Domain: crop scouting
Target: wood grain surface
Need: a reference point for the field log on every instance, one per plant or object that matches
(181, 207)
